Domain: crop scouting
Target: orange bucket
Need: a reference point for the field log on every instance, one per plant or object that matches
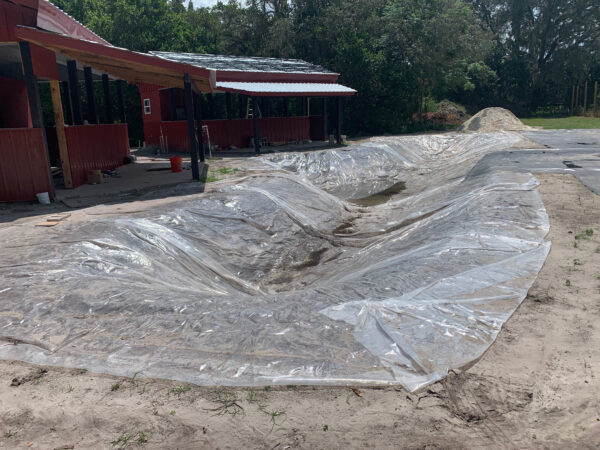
(176, 163)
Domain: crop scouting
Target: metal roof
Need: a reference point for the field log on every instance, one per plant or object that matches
(244, 63)
(284, 89)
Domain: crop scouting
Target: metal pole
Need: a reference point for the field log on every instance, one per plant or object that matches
(338, 136)
(107, 99)
(189, 112)
(91, 102)
(74, 86)
(256, 126)
(198, 114)
(121, 102)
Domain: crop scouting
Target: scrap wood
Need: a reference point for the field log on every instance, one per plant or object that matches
(357, 392)
(58, 217)
(47, 224)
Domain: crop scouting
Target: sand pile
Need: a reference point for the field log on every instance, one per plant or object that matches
(493, 119)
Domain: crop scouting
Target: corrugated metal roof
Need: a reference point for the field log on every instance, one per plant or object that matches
(284, 88)
(244, 63)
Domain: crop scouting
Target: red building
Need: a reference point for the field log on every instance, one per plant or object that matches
(39, 43)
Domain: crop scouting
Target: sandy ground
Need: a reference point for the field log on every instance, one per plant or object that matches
(537, 386)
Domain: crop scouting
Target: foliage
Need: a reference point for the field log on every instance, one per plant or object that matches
(521, 54)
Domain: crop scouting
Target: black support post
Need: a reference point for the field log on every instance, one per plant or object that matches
(241, 106)
(338, 135)
(286, 106)
(302, 106)
(228, 105)
(35, 104)
(256, 126)
(189, 113)
(89, 89)
(325, 130)
(75, 96)
(121, 102)
(198, 116)
(66, 95)
(172, 104)
(107, 99)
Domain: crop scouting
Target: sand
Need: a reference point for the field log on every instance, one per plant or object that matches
(536, 387)
(493, 119)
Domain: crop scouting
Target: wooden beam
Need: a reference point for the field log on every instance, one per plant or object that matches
(286, 106)
(59, 120)
(107, 99)
(121, 104)
(228, 105)
(189, 112)
(35, 104)
(256, 125)
(91, 101)
(241, 106)
(325, 130)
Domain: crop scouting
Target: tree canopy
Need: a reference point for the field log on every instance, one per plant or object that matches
(522, 54)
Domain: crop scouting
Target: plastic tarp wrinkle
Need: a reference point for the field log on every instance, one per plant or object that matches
(277, 278)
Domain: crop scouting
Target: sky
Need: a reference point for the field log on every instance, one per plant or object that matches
(198, 3)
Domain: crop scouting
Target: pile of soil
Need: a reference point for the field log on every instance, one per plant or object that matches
(446, 113)
(493, 119)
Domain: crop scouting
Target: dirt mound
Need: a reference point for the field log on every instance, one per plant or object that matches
(493, 119)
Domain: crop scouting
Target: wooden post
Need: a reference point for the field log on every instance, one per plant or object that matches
(595, 97)
(89, 89)
(338, 136)
(241, 106)
(35, 105)
(121, 102)
(302, 106)
(172, 108)
(68, 108)
(74, 86)
(198, 116)
(59, 120)
(573, 100)
(585, 92)
(189, 113)
(256, 126)
(107, 99)
(228, 105)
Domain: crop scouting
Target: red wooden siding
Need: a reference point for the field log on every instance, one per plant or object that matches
(23, 164)
(93, 147)
(236, 132)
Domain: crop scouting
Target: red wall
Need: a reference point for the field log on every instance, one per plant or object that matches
(23, 165)
(93, 147)
(224, 133)
(14, 107)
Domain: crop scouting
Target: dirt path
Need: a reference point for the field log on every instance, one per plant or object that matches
(537, 386)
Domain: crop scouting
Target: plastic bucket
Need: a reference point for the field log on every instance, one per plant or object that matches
(43, 198)
(176, 163)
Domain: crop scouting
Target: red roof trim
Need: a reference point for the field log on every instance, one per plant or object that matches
(48, 38)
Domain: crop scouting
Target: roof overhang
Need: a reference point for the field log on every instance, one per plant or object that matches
(121, 63)
(285, 89)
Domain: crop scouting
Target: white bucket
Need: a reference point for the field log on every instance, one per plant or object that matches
(43, 198)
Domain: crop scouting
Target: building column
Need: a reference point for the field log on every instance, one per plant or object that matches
(61, 136)
(189, 113)
(121, 102)
(198, 117)
(256, 125)
(228, 105)
(107, 99)
(74, 86)
(35, 104)
(338, 135)
(89, 89)
(68, 108)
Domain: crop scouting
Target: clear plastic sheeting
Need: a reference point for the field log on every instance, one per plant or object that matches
(275, 278)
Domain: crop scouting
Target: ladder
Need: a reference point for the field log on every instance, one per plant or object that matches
(250, 109)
